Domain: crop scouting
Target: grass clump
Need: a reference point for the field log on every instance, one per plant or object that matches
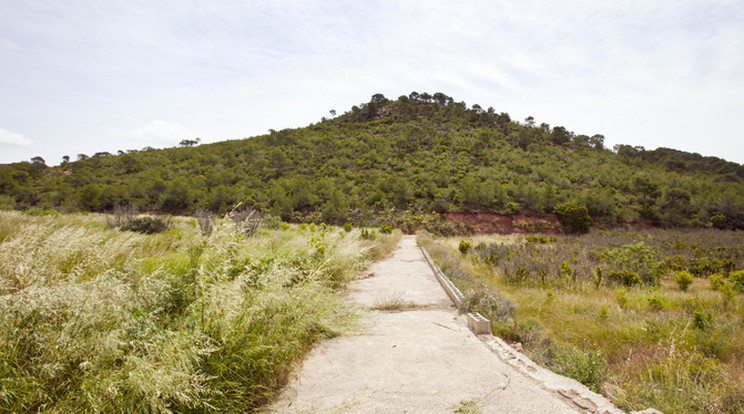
(97, 320)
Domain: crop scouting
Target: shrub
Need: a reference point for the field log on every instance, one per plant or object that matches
(147, 225)
(656, 303)
(574, 217)
(737, 279)
(386, 229)
(702, 320)
(587, 367)
(636, 258)
(272, 222)
(715, 281)
(367, 234)
(719, 221)
(347, 227)
(624, 277)
(35, 211)
(683, 279)
(463, 247)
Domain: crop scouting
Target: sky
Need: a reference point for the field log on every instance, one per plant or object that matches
(86, 76)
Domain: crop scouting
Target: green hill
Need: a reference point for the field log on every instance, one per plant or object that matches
(399, 161)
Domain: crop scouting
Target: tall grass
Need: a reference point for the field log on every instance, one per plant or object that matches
(95, 319)
(649, 344)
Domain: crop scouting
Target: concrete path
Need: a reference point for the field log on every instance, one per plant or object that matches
(418, 358)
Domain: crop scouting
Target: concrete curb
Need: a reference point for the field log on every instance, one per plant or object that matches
(570, 390)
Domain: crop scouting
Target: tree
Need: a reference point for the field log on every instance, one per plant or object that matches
(649, 192)
(675, 208)
(38, 160)
(596, 141)
(574, 217)
(560, 135)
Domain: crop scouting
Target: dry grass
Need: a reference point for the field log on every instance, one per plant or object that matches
(95, 319)
(678, 351)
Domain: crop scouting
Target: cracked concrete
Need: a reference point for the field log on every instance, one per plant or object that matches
(419, 359)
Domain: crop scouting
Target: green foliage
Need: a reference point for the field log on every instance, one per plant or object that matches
(575, 218)
(621, 297)
(147, 225)
(719, 221)
(715, 281)
(587, 367)
(702, 319)
(463, 247)
(348, 227)
(624, 277)
(636, 260)
(367, 234)
(386, 229)
(423, 157)
(683, 279)
(41, 212)
(737, 279)
(656, 303)
(271, 222)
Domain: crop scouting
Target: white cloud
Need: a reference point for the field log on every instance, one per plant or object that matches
(157, 132)
(13, 138)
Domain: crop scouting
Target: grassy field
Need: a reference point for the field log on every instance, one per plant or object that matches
(647, 319)
(93, 318)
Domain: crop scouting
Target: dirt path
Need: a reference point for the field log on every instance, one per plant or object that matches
(421, 359)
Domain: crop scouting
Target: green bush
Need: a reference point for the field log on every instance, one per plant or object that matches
(147, 225)
(271, 222)
(574, 217)
(683, 279)
(715, 281)
(737, 279)
(386, 229)
(719, 221)
(635, 258)
(35, 211)
(624, 277)
(367, 234)
(463, 247)
(656, 303)
(347, 227)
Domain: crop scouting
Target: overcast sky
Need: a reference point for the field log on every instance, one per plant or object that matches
(81, 76)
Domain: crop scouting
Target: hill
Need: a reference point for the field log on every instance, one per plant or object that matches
(398, 161)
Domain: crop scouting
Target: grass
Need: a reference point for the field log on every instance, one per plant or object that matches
(655, 344)
(97, 319)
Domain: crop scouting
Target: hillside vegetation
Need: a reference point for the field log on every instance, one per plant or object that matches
(396, 161)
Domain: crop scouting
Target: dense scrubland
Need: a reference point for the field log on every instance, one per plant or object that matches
(650, 318)
(396, 162)
(197, 316)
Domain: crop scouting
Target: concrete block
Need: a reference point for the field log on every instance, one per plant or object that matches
(478, 324)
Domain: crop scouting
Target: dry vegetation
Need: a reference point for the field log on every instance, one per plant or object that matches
(615, 311)
(98, 319)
